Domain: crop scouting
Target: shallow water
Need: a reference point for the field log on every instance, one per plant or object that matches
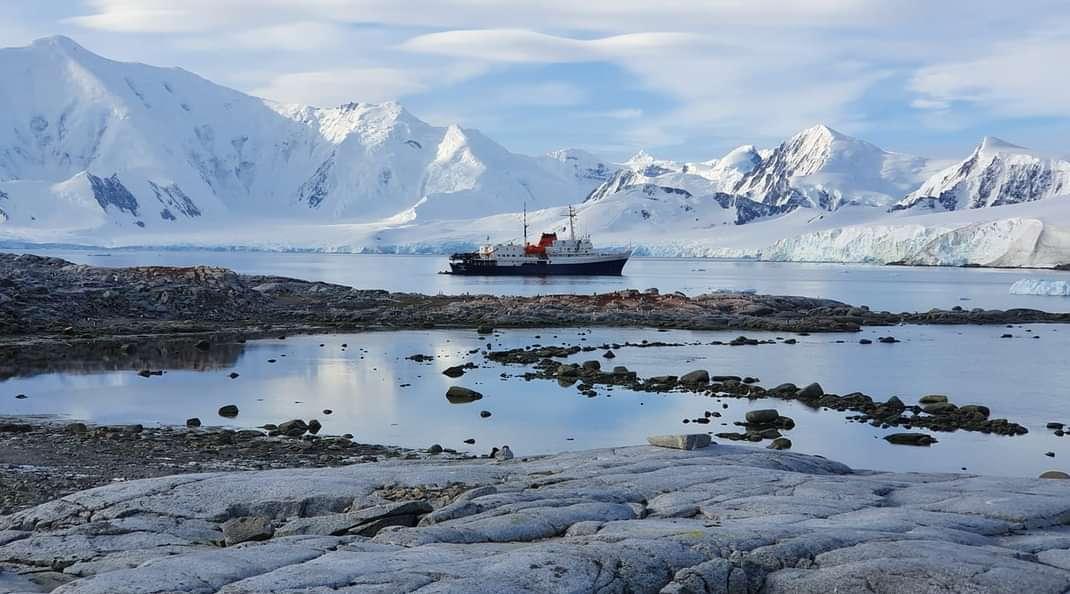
(382, 397)
(889, 288)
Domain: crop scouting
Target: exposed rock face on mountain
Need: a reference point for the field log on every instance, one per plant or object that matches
(87, 142)
(997, 173)
(826, 169)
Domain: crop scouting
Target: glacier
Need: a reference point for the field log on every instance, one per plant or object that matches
(101, 153)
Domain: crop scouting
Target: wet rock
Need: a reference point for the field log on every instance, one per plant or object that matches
(933, 399)
(485, 329)
(888, 339)
(76, 428)
(462, 395)
(1049, 454)
(865, 341)
(1054, 425)
(327, 411)
(1054, 474)
(914, 439)
(293, 428)
(233, 375)
(454, 371)
(788, 388)
(229, 411)
(484, 413)
(470, 441)
(434, 449)
(246, 529)
(695, 378)
(20, 397)
(314, 426)
(939, 408)
(977, 410)
(193, 422)
(780, 443)
(591, 366)
(763, 416)
(813, 390)
(690, 441)
(609, 355)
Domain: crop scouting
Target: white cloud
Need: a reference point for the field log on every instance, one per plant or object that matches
(547, 94)
(1016, 78)
(335, 87)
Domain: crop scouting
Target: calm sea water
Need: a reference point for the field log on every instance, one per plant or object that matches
(382, 397)
(880, 287)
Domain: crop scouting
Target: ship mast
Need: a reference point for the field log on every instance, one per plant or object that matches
(571, 223)
(525, 223)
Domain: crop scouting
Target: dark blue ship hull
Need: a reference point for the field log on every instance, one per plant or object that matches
(482, 267)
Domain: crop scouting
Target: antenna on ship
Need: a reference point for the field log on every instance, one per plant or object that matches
(525, 223)
(571, 223)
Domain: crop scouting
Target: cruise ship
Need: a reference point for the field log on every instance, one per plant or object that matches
(551, 256)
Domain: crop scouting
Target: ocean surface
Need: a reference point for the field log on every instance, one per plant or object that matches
(376, 393)
(380, 396)
(889, 288)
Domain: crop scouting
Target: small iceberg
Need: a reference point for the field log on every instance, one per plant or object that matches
(1041, 286)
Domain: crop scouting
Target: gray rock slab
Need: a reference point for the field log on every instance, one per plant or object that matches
(691, 441)
(641, 519)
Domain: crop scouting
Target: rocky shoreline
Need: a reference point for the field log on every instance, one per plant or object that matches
(720, 518)
(42, 459)
(50, 300)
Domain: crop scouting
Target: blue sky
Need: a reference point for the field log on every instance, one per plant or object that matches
(683, 79)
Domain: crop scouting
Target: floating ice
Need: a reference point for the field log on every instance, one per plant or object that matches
(1041, 286)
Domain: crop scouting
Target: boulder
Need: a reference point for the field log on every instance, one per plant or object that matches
(314, 426)
(1055, 474)
(932, 399)
(293, 428)
(697, 377)
(455, 371)
(609, 355)
(193, 422)
(914, 439)
(229, 411)
(763, 416)
(689, 441)
(813, 390)
(780, 443)
(461, 395)
(246, 529)
(939, 408)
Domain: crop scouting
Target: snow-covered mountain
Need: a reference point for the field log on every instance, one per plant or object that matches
(91, 144)
(103, 153)
(995, 174)
(822, 168)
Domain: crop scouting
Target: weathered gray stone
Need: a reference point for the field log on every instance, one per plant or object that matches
(696, 378)
(250, 528)
(640, 519)
(690, 441)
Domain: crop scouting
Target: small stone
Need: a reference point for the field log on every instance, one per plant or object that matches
(470, 441)
(914, 439)
(229, 411)
(1049, 454)
(246, 529)
(193, 422)
(144, 373)
(327, 411)
(865, 341)
(20, 397)
(780, 443)
(233, 375)
(689, 441)
(484, 413)
(609, 355)
(1054, 425)
(888, 339)
(455, 371)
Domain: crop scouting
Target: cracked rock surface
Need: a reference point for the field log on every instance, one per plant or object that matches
(724, 519)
